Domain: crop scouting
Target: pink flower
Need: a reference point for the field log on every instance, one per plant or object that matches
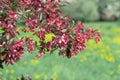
(97, 36)
(27, 2)
(40, 54)
(59, 24)
(15, 52)
(12, 14)
(41, 33)
(63, 40)
(32, 23)
(48, 5)
(31, 45)
(80, 25)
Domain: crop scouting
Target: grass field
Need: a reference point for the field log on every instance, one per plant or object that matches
(98, 62)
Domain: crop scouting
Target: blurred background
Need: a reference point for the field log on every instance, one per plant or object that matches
(93, 10)
(97, 62)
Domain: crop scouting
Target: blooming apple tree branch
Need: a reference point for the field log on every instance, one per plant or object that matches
(45, 30)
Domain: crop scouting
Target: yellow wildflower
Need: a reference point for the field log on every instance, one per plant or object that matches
(110, 58)
(116, 40)
(34, 62)
(37, 77)
(54, 76)
(12, 71)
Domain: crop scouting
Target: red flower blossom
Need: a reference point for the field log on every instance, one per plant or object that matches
(31, 45)
(32, 23)
(80, 25)
(15, 52)
(40, 54)
(12, 14)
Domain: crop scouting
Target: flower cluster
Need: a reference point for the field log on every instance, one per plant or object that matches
(42, 18)
(30, 45)
(32, 23)
(15, 52)
(12, 14)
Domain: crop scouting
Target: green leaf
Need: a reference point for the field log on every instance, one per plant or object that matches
(36, 39)
(29, 34)
(1, 31)
(48, 37)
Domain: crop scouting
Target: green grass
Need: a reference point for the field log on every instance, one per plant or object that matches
(98, 61)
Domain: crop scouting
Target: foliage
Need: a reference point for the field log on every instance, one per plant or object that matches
(46, 30)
